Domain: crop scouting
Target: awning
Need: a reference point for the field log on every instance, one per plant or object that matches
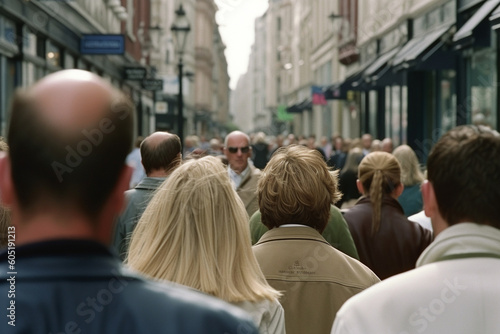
(379, 66)
(419, 48)
(299, 107)
(335, 92)
(476, 31)
(495, 19)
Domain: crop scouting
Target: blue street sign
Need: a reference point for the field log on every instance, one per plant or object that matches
(102, 44)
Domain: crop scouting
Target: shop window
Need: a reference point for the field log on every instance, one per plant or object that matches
(29, 41)
(482, 90)
(53, 54)
(448, 102)
(9, 32)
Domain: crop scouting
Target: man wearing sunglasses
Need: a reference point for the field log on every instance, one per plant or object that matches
(243, 175)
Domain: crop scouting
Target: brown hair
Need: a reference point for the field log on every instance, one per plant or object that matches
(297, 187)
(380, 174)
(78, 169)
(463, 168)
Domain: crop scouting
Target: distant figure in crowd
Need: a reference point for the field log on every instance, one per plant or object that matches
(387, 145)
(348, 178)
(244, 177)
(366, 143)
(215, 147)
(326, 146)
(311, 143)
(64, 179)
(161, 155)
(195, 232)
(412, 177)
(260, 150)
(338, 155)
(280, 141)
(455, 286)
(387, 242)
(4, 211)
(336, 232)
(376, 145)
(296, 192)
(134, 160)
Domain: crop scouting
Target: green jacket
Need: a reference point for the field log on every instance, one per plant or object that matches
(336, 232)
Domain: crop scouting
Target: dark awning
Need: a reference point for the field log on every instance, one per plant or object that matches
(476, 30)
(495, 19)
(419, 48)
(335, 92)
(379, 66)
(300, 106)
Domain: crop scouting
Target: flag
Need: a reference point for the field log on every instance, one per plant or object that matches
(283, 115)
(318, 95)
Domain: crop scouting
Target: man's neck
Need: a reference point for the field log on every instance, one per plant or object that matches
(46, 226)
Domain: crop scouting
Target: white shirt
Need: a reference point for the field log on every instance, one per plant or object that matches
(237, 178)
(452, 296)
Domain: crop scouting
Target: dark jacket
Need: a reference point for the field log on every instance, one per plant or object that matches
(397, 245)
(137, 201)
(70, 286)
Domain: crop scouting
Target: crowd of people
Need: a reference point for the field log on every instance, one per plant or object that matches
(239, 234)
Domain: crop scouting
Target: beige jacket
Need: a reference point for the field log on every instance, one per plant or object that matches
(248, 190)
(315, 278)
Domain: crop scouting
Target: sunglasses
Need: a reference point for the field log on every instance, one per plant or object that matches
(233, 150)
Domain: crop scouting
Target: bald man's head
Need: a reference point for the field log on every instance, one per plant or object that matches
(69, 136)
(161, 151)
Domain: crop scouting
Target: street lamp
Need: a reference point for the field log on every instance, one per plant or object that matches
(180, 30)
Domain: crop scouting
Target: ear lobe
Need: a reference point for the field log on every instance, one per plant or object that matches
(7, 193)
(429, 198)
(359, 185)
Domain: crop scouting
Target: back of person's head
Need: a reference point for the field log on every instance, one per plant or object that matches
(463, 168)
(260, 138)
(161, 151)
(410, 167)
(297, 187)
(380, 174)
(353, 159)
(66, 152)
(195, 232)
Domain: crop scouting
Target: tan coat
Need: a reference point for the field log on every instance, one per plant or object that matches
(315, 278)
(248, 190)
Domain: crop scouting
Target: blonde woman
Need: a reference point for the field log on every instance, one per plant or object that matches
(195, 232)
(387, 242)
(412, 177)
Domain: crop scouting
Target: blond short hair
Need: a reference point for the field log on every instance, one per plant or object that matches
(195, 232)
(297, 187)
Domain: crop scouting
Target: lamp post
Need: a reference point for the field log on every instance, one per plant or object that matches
(180, 30)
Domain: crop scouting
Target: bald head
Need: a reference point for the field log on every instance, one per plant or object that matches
(71, 100)
(76, 130)
(161, 153)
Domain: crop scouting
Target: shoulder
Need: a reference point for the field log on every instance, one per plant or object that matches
(210, 314)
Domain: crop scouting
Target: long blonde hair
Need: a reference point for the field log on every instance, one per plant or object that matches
(195, 232)
(380, 174)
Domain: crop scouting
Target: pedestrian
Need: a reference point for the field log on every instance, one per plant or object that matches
(411, 177)
(243, 175)
(296, 192)
(454, 288)
(387, 242)
(195, 232)
(64, 179)
(161, 155)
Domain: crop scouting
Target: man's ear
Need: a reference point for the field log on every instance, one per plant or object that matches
(7, 192)
(122, 185)
(429, 198)
(360, 187)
